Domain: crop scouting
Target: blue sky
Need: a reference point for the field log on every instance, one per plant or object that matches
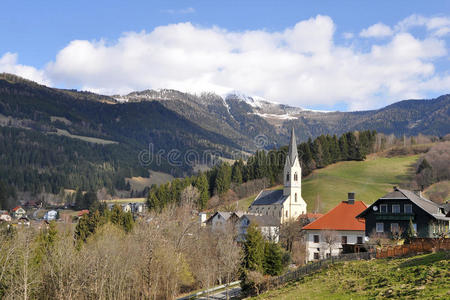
(59, 42)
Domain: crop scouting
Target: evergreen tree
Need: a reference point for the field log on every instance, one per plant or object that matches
(236, 173)
(273, 259)
(201, 184)
(45, 241)
(127, 221)
(335, 152)
(82, 231)
(253, 249)
(116, 215)
(223, 180)
(3, 196)
(90, 201)
(79, 199)
(343, 145)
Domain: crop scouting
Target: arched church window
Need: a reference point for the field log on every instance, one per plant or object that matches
(287, 176)
(295, 197)
(295, 177)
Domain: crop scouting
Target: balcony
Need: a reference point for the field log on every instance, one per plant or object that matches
(379, 216)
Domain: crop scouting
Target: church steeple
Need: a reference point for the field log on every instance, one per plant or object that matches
(293, 182)
(293, 153)
(292, 169)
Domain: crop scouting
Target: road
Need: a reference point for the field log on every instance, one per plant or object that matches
(232, 292)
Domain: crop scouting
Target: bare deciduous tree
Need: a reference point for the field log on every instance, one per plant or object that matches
(330, 238)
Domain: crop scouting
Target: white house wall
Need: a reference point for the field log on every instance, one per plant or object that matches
(323, 247)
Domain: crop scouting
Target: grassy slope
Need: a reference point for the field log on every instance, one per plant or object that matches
(158, 178)
(369, 179)
(420, 277)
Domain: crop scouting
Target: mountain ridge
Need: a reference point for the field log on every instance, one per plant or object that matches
(51, 129)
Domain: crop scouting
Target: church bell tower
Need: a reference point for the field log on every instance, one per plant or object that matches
(292, 169)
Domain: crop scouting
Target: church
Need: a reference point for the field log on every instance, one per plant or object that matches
(287, 203)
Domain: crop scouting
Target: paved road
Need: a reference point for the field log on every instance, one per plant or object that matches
(232, 292)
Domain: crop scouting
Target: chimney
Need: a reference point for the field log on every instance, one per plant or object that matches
(351, 198)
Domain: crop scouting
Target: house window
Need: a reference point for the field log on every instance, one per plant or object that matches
(407, 208)
(380, 227)
(287, 176)
(296, 197)
(395, 208)
(295, 177)
(344, 240)
(316, 238)
(316, 255)
(286, 214)
(359, 240)
(394, 227)
(383, 208)
(415, 227)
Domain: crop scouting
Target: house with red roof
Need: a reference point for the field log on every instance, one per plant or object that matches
(336, 230)
(18, 212)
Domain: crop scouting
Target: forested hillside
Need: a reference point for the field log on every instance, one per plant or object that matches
(52, 139)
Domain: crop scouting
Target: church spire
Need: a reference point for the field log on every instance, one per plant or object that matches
(293, 152)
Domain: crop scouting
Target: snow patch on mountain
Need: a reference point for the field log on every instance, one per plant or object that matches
(275, 116)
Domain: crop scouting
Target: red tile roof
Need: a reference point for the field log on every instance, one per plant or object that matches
(16, 208)
(342, 217)
(83, 212)
(313, 215)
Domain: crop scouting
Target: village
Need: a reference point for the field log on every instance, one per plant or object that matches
(350, 227)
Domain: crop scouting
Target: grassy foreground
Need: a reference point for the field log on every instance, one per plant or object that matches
(419, 277)
(369, 179)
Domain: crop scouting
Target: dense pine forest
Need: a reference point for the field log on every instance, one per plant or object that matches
(319, 153)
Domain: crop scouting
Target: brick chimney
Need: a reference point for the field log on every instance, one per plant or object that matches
(351, 198)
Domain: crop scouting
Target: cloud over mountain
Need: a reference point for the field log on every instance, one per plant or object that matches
(303, 65)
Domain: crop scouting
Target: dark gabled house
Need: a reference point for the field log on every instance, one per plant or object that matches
(393, 212)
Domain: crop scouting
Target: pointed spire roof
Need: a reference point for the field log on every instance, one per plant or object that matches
(293, 153)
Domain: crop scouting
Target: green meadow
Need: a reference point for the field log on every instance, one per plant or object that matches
(369, 179)
(419, 277)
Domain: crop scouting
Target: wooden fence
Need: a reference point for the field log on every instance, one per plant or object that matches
(298, 273)
(419, 245)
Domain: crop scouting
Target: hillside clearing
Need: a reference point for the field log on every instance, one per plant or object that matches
(369, 179)
(158, 178)
(419, 277)
(83, 138)
(125, 200)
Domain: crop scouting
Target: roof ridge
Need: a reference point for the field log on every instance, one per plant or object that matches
(420, 197)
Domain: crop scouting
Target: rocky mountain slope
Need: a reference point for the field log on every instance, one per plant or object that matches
(46, 131)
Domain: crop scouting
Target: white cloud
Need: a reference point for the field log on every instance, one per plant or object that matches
(8, 64)
(300, 65)
(183, 11)
(348, 35)
(438, 26)
(377, 30)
